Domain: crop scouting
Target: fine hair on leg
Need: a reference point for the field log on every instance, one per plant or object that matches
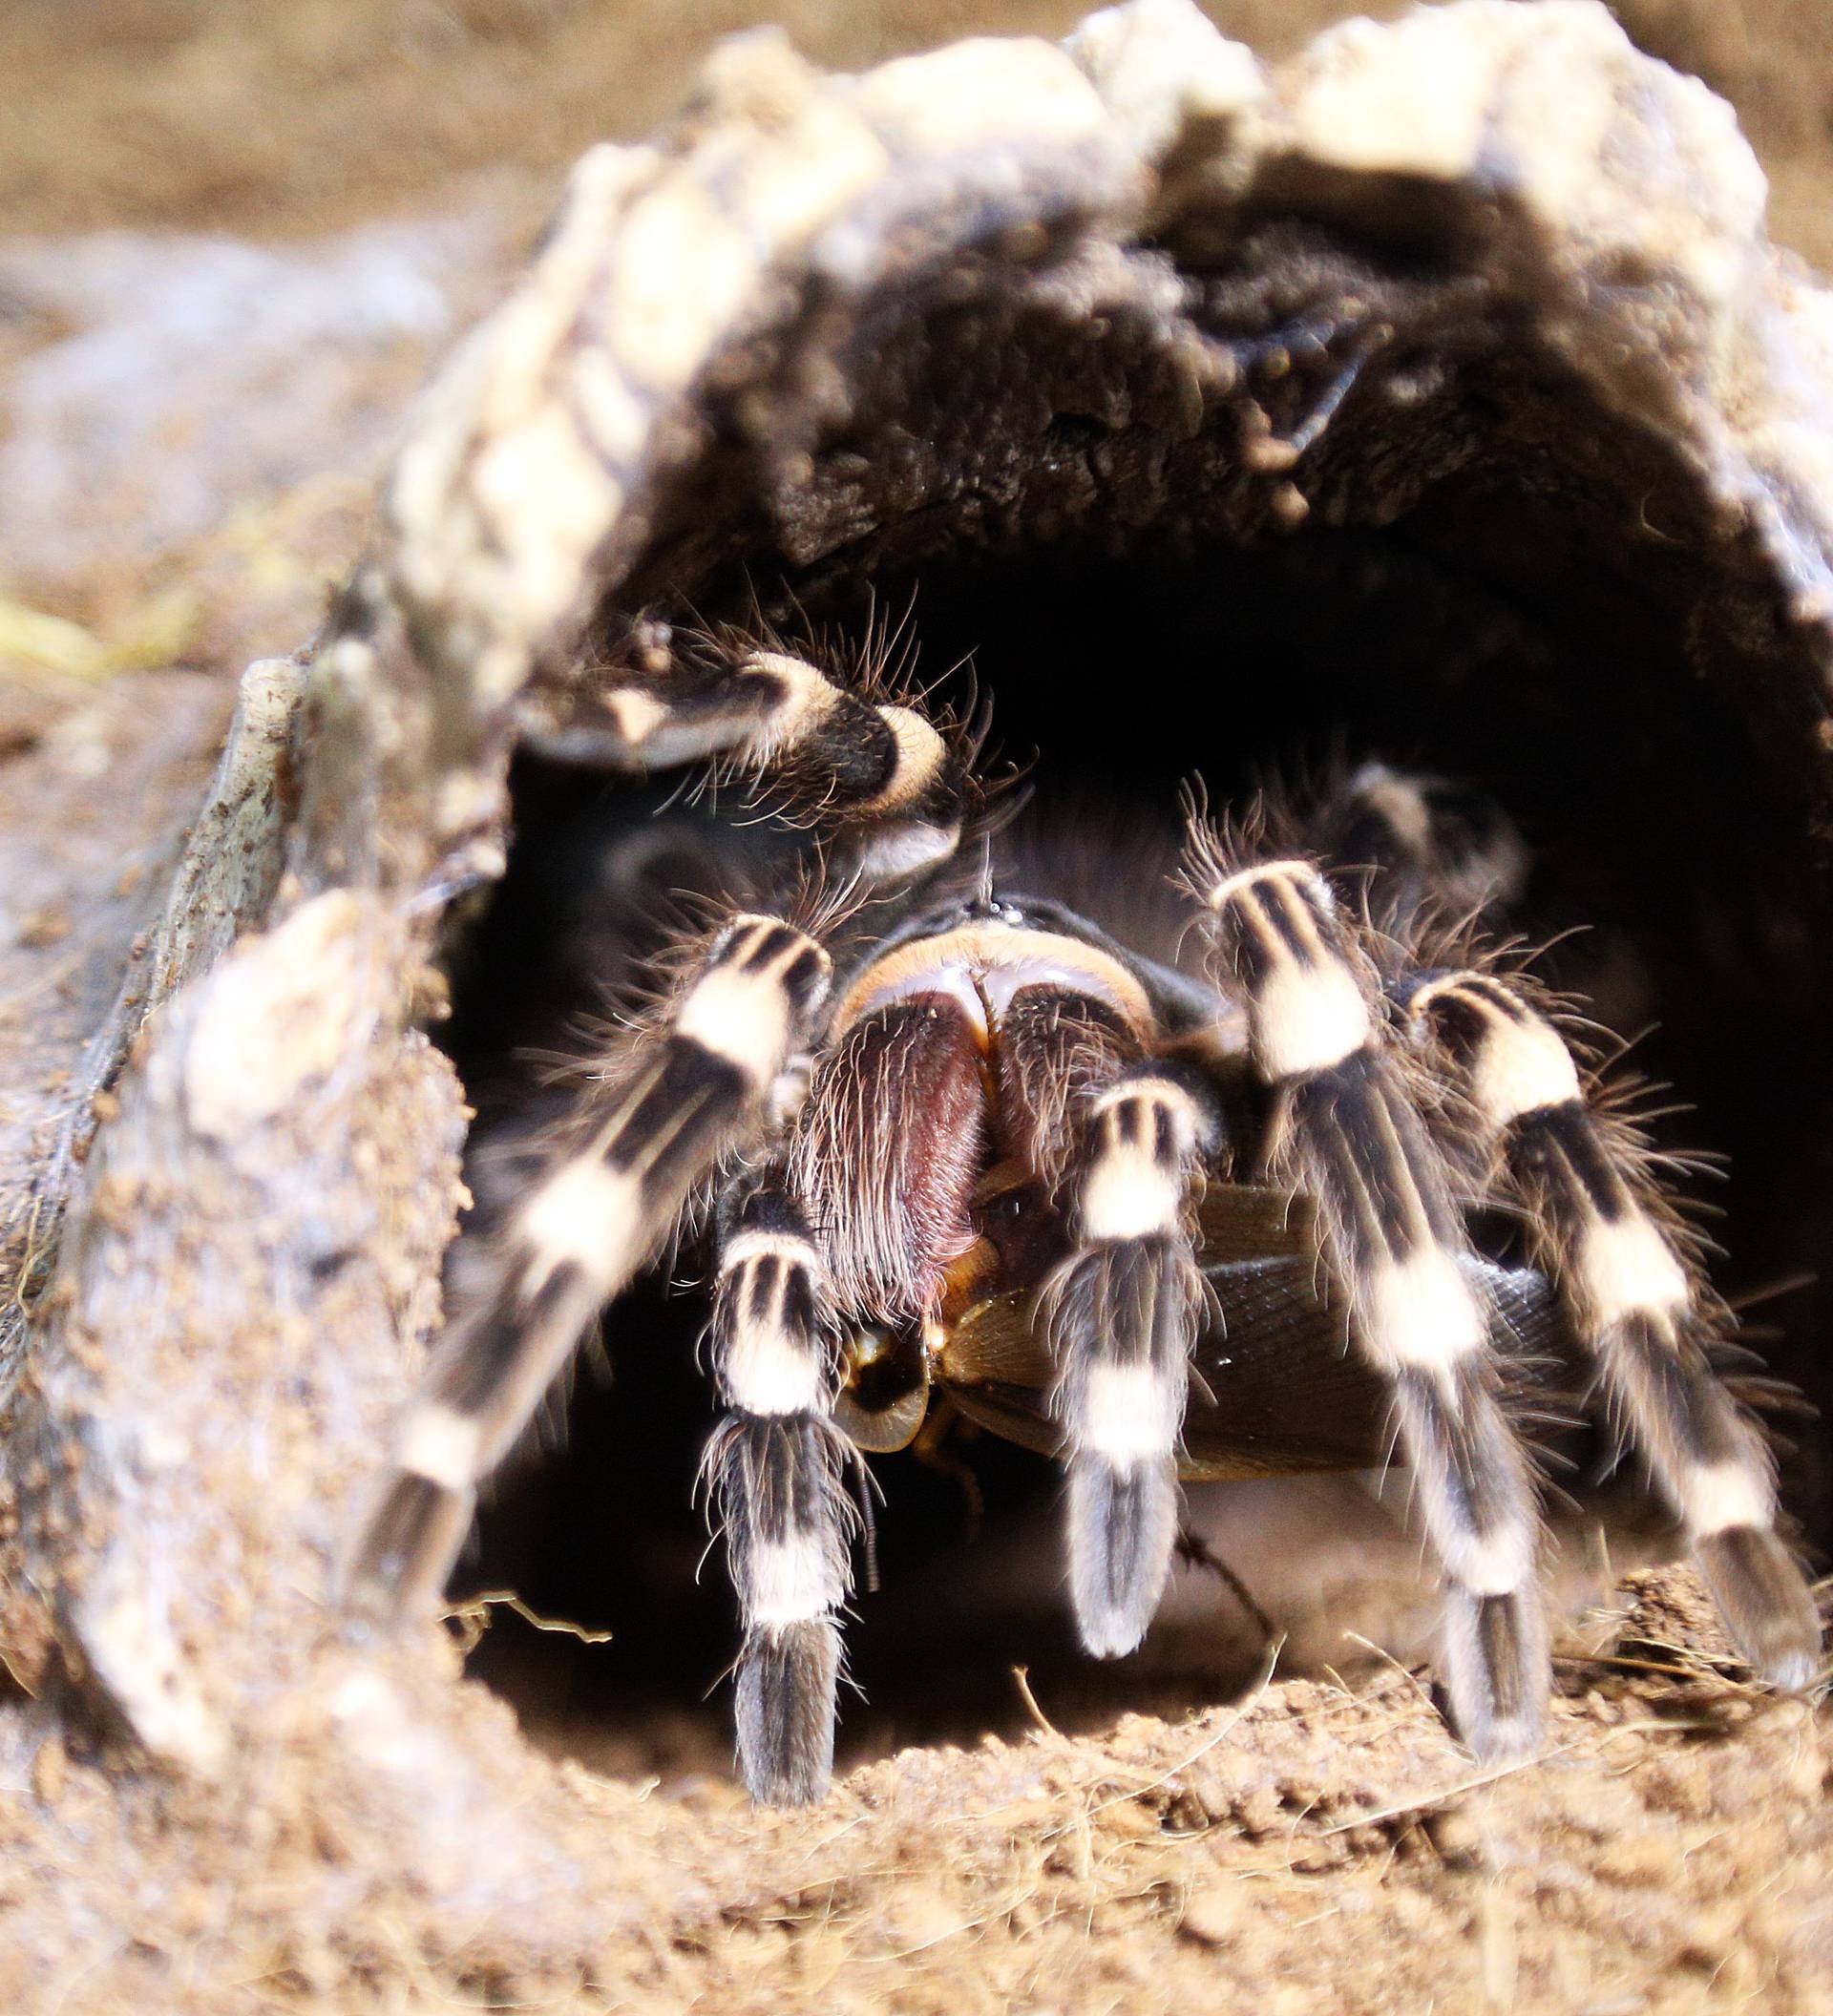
(1346, 1129)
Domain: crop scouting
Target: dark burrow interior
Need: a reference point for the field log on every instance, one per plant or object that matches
(1621, 703)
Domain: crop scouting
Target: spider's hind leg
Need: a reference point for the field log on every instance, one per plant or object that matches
(1412, 846)
(1598, 1222)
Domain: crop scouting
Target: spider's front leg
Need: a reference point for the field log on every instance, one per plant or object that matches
(776, 1466)
(1602, 1228)
(1346, 1131)
(594, 1218)
(1119, 1142)
(881, 780)
(1122, 1314)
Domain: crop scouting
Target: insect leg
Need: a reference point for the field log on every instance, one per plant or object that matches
(1602, 1229)
(776, 1466)
(1346, 1132)
(589, 1224)
(1412, 846)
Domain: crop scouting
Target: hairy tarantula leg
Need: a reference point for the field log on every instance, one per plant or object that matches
(579, 1236)
(1600, 1229)
(1348, 1133)
(1118, 1140)
(1122, 1314)
(775, 1466)
(884, 771)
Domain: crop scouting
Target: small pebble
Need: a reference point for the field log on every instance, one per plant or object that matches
(1212, 1914)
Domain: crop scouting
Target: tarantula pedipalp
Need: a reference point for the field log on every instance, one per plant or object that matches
(962, 1095)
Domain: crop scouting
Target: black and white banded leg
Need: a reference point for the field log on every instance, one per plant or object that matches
(1346, 1132)
(1601, 1231)
(776, 1468)
(877, 775)
(1122, 1314)
(695, 1088)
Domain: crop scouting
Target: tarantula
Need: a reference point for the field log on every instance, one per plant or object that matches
(961, 1132)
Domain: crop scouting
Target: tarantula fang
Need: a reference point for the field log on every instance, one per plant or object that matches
(1012, 1155)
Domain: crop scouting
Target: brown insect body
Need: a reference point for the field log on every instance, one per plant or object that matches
(1275, 1390)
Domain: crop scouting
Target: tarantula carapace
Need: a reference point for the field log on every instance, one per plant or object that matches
(960, 1133)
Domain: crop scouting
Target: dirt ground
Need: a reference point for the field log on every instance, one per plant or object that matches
(1314, 1845)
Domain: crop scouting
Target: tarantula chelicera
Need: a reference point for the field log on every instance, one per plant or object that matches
(962, 1133)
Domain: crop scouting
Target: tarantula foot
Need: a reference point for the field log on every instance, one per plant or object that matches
(1494, 1671)
(1122, 1525)
(1122, 1315)
(1768, 1606)
(788, 1675)
(399, 1568)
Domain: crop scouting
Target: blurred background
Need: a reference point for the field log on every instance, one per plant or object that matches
(233, 235)
(291, 119)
